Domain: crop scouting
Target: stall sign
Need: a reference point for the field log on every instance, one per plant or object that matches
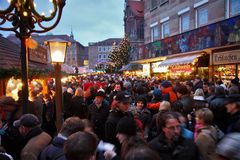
(159, 69)
(38, 55)
(226, 57)
(146, 70)
(181, 68)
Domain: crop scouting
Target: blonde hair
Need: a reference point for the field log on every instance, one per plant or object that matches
(79, 92)
(164, 105)
(199, 92)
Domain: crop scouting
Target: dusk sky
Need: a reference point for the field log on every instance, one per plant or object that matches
(90, 20)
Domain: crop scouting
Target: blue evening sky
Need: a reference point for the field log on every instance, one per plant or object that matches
(90, 20)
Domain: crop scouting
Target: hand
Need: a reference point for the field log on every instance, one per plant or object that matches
(109, 155)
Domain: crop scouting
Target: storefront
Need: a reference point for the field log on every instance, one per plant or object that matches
(132, 69)
(185, 66)
(226, 64)
(159, 71)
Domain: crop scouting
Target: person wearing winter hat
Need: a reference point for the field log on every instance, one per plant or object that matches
(232, 104)
(122, 105)
(126, 127)
(98, 112)
(127, 136)
(167, 92)
(157, 95)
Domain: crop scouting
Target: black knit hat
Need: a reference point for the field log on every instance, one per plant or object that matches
(127, 126)
(123, 97)
(235, 81)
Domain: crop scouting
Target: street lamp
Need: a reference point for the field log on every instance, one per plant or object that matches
(24, 19)
(58, 49)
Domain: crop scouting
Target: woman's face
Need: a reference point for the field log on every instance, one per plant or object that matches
(198, 120)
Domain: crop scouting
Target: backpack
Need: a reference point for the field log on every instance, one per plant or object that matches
(219, 134)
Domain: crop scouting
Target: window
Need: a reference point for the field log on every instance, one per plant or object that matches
(201, 16)
(140, 31)
(184, 22)
(153, 4)
(163, 1)
(165, 29)
(154, 33)
(234, 7)
(104, 56)
(99, 56)
(99, 49)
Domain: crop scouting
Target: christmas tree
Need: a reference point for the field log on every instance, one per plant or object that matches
(119, 55)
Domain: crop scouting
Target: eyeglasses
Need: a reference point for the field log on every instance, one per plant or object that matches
(173, 127)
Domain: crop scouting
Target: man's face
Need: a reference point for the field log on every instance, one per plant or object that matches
(123, 106)
(205, 88)
(23, 130)
(117, 87)
(172, 129)
(98, 99)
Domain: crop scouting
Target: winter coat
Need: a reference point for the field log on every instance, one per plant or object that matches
(169, 95)
(234, 123)
(182, 149)
(54, 151)
(219, 112)
(98, 117)
(206, 142)
(145, 117)
(78, 107)
(110, 127)
(184, 105)
(38, 141)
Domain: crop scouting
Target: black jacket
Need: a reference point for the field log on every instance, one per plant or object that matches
(234, 123)
(78, 107)
(219, 112)
(184, 105)
(183, 149)
(110, 127)
(98, 117)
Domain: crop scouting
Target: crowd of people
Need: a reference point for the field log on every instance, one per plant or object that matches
(115, 117)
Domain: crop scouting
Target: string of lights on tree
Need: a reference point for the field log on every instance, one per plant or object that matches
(119, 55)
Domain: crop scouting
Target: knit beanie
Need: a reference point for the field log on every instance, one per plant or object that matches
(157, 93)
(166, 84)
(127, 126)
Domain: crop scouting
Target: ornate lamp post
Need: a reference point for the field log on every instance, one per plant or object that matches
(24, 17)
(57, 49)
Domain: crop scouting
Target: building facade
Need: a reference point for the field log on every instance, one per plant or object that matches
(134, 26)
(190, 36)
(98, 53)
(75, 55)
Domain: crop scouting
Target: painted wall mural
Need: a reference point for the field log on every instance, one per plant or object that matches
(214, 35)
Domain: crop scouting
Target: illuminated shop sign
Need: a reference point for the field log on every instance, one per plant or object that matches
(159, 69)
(226, 57)
(181, 68)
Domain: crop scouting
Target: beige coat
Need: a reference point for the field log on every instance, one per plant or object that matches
(34, 146)
(206, 142)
